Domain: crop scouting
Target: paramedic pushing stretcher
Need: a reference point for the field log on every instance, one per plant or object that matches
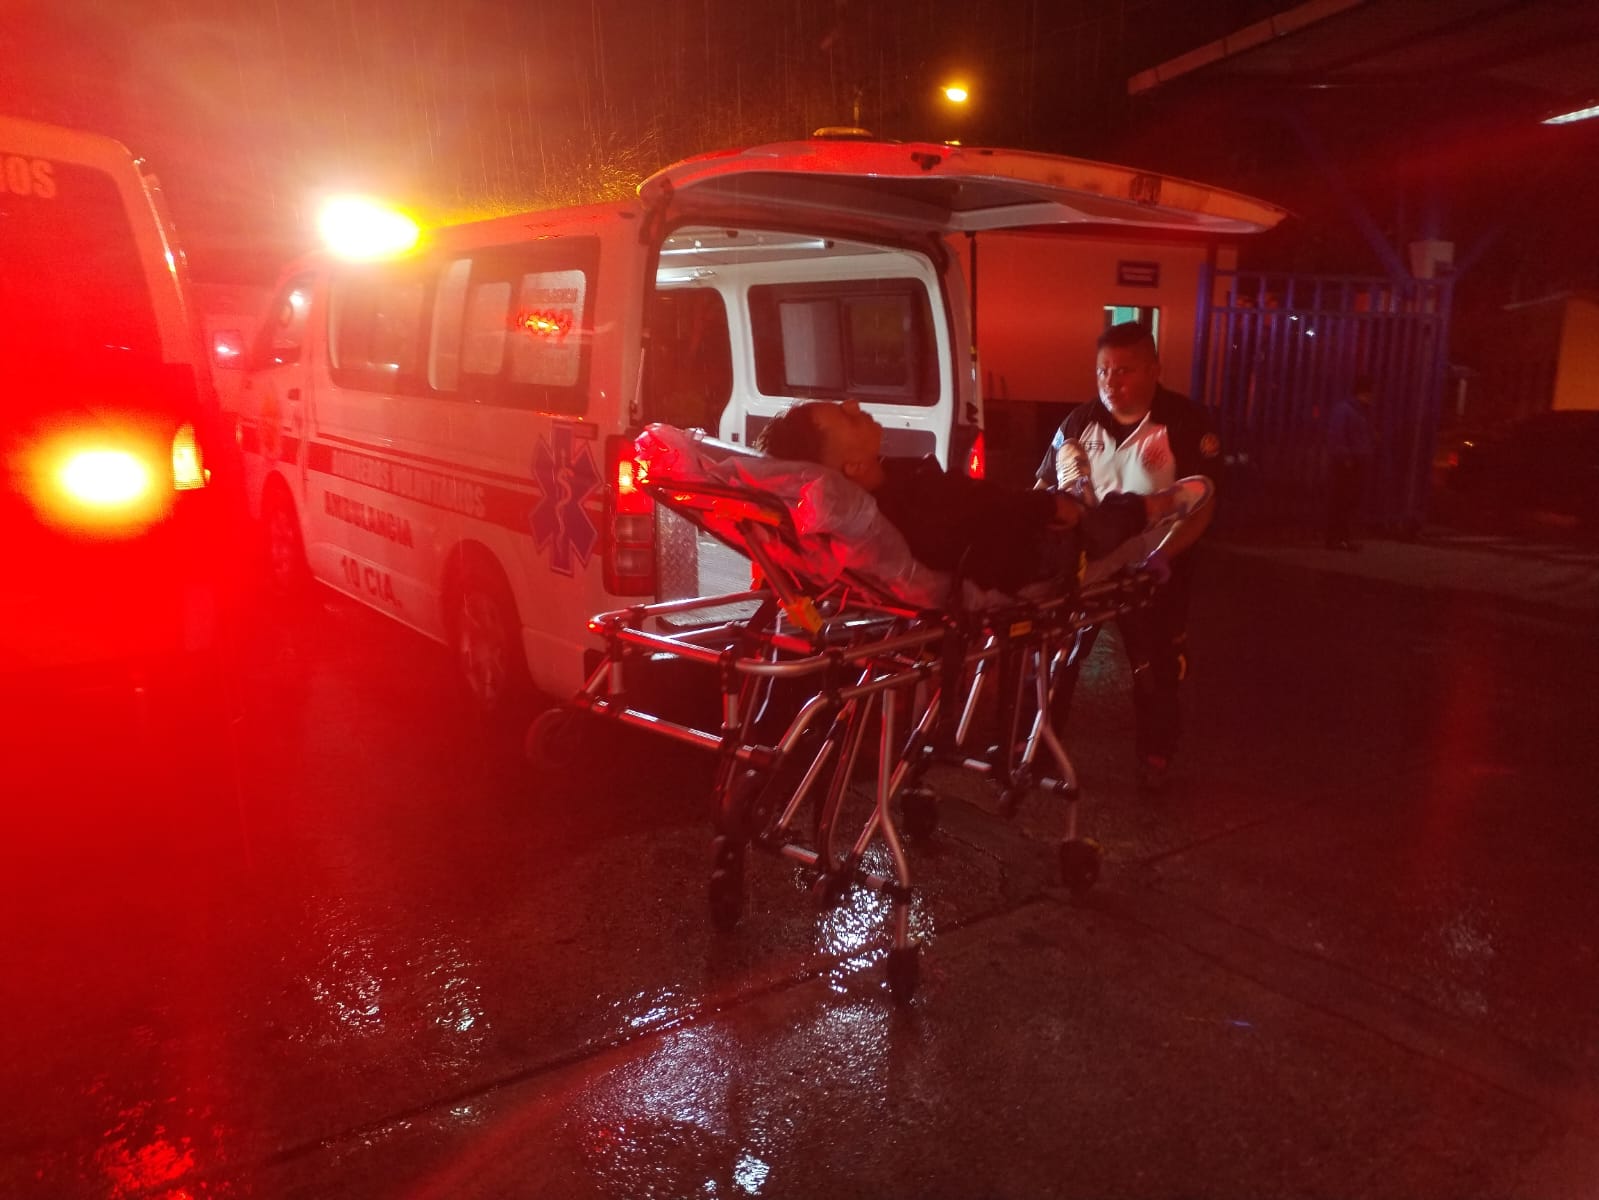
(997, 537)
(1137, 437)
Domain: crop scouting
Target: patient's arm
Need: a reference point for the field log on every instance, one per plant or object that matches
(1186, 530)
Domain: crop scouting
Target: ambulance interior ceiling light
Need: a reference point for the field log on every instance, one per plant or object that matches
(734, 247)
(683, 274)
(1573, 116)
(355, 227)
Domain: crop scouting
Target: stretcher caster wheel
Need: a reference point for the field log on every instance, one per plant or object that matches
(920, 809)
(555, 739)
(1079, 865)
(828, 888)
(726, 891)
(904, 972)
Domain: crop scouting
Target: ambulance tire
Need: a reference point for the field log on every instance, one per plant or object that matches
(288, 575)
(486, 637)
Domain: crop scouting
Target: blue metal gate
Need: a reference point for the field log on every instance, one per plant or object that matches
(1275, 352)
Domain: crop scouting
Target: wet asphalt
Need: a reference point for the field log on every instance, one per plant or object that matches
(366, 952)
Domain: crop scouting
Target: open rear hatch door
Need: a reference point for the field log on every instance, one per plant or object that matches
(906, 188)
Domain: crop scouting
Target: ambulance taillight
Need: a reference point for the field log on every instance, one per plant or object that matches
(188, 467)
(104, 480)
(977, 458)
(629, 524)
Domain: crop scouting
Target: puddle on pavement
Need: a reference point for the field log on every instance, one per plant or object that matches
(151, 1151)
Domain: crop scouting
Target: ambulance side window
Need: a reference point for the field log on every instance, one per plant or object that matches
(376, 328)
(449, 312)
(513, 325)
(282, 337)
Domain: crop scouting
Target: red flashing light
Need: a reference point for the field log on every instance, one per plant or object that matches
(977, 458)
(629, 559)
(627, 472)
(546, 324)
(627, 476)
(188, 467)
(105, 479)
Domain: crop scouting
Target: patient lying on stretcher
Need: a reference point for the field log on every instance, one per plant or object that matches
(996, 538)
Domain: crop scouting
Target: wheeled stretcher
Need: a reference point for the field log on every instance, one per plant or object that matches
(845, 671)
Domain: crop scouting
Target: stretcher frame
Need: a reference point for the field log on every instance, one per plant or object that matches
(915, 679)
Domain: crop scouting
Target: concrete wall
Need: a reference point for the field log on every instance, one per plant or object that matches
(1041, 301)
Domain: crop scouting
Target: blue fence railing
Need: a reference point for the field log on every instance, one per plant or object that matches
(1274, 353)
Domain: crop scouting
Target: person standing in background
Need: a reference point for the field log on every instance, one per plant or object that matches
(1351, 446)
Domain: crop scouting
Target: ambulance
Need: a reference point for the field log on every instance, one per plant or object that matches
(115, 512)
(445, 434)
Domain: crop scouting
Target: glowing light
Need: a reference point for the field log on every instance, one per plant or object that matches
(956, 93)
(1575, 115)
(628, 475)
(354, 227)
(105, 478)
(546, 324)
(188, 472)
(977, 458)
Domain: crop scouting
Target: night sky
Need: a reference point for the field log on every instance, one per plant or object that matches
(252, 112)
(249, 111)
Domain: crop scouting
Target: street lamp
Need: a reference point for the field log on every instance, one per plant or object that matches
(954, 111)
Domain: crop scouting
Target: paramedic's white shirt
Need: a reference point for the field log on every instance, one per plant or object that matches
(1143, 463)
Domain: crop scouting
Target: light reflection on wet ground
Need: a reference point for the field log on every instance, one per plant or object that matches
(670, 1105)
(412, 933)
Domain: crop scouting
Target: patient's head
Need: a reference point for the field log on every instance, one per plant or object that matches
(840, 436)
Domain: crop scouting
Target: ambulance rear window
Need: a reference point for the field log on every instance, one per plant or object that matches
(71, 278)
(871, 339)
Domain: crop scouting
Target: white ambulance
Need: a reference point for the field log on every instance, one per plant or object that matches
(445, 434)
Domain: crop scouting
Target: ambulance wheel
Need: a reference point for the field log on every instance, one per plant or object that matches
(287, 574)
(726, 891)
(486, 636)
(1079, 865)
(920, 808)
(904, 973)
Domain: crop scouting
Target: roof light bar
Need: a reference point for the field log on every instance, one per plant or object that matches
(357, 228)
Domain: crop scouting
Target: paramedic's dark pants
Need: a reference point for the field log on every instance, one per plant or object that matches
(1155, 641)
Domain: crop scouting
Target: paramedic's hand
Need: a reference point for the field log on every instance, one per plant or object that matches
(1159, 567)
